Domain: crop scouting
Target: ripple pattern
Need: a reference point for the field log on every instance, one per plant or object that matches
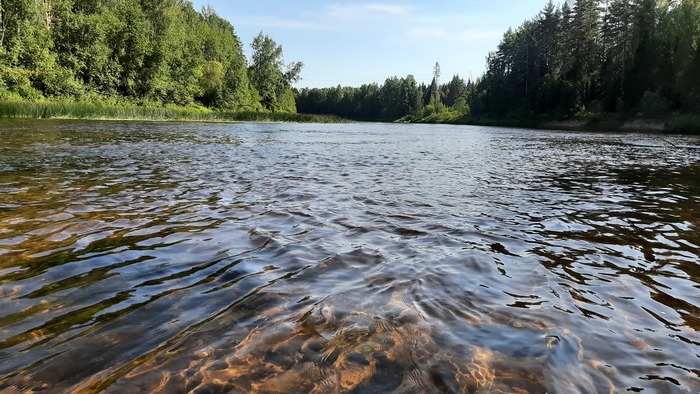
(173, 257)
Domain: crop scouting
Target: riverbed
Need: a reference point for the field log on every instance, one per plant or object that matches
(187, 257)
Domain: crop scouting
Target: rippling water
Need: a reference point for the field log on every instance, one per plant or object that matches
(165, 257)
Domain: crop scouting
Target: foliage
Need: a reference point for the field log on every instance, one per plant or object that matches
(270, 76)
(584, 57)
(654, 105)
(160, 51)
(395, 99)
(446, 115)
(686, 124)
(597, 54)
(113, 109)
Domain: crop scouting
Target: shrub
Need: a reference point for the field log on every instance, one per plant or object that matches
(653, 104)
(461, 106)
(687, 124)
(18, 80)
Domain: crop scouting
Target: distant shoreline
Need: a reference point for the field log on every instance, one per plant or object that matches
(69, 110)
(674, 124)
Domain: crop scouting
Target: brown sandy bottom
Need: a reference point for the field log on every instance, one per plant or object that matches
(393, 348)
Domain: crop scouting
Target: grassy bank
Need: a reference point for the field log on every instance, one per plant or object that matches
(671, 124)
(77, 110)
(677, 124)
(686, 124)
(453, 117)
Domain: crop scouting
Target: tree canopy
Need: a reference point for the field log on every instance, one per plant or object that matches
(272, 79)
(581, 56)
(584, 56)
(591, 55)
(160, 51)
(395, 99)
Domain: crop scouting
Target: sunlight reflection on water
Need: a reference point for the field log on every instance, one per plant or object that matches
(365, 257)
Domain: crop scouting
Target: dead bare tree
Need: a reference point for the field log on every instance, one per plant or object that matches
(47, 14)
(3, 24)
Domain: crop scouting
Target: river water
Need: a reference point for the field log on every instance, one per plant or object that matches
(184, 257)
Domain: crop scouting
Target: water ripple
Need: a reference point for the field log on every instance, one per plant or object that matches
(148, 257)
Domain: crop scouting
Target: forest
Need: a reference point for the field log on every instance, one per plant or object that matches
(395, 99)
(578, 58)
(144, 52)
(583, 57)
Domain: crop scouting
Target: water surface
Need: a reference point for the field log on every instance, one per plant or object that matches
(168, 257)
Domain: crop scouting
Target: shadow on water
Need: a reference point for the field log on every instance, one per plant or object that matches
(147, 257)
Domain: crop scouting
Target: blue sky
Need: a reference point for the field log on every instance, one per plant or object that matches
(356, 42)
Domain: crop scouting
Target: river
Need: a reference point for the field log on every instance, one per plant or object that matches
(186, 257)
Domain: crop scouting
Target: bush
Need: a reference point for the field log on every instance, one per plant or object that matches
(8, 95)
(18, 80)
(57, 81)
(654, 105)
(687, 124)
(461, 106)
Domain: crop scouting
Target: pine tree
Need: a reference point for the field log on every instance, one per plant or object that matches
(616, 50)
(587, 50)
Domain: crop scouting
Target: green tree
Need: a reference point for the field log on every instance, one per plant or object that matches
(269, 75)
(435, 98)
(617, 43)
(587, 52)
(641, 75)
(454, 90)
(411, 96)
(153, 50)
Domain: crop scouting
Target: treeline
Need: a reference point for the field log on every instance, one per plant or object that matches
(144, 51)
(395, 99)
(583, 57)
(597, 56)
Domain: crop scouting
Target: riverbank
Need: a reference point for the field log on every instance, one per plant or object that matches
(673, 124)
(97, 111)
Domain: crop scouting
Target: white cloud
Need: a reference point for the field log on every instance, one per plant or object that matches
(437, 33)
(365, 11)
(325, 20)
(388, 9)
(281, 23)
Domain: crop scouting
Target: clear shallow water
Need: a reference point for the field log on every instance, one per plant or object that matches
(150, 257)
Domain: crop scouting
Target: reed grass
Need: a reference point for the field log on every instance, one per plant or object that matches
(254, 116)
(80, 110)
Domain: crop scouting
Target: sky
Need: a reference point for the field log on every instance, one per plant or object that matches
(351, 43)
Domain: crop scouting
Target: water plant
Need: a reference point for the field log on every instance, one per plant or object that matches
(129, 111)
